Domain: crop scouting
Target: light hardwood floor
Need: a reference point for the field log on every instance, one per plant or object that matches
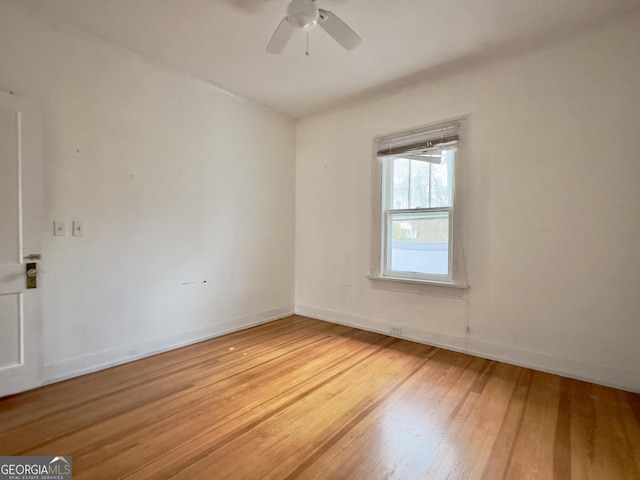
(300, 398)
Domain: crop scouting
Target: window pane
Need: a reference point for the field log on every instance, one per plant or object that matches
(400, 187)
(419, 186)
(441, 185)
(420, 243)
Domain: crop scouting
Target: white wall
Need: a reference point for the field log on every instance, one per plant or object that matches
(177, 183)
(551, 203)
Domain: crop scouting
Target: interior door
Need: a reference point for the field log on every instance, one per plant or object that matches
(21, 214)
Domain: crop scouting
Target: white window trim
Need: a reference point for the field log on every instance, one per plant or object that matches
(419, 281)
(457, 270)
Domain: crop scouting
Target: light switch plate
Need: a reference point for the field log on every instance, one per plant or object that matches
(59, 228)
(78, 228)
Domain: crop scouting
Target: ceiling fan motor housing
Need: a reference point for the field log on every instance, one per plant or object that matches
(303, 14)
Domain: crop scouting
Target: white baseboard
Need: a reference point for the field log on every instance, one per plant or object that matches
(622, 379)
(93, 362)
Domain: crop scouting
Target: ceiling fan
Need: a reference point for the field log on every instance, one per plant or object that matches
(305, 15)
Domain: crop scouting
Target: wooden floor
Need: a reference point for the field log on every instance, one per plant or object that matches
(299, 398)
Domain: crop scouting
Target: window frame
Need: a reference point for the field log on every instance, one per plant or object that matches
(387, 271)
(383, 178)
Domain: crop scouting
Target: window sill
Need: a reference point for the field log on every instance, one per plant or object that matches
(458, 285)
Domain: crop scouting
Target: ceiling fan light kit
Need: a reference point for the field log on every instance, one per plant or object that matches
(305, 15)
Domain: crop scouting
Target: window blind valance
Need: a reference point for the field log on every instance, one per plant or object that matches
(416, 142)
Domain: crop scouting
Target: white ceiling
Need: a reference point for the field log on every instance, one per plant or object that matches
(223, 41)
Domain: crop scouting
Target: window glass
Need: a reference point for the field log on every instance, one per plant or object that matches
(400, 187)
(441, 181)
(420, 243)
(421, 184)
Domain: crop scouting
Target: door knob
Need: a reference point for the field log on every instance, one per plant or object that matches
(32, 275)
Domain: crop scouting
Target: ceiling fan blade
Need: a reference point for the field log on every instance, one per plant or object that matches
(280, 37)
(339, 30)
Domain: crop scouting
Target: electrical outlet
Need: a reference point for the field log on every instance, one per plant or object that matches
(395, 330)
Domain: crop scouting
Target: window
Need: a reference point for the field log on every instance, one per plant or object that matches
(417, 205)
